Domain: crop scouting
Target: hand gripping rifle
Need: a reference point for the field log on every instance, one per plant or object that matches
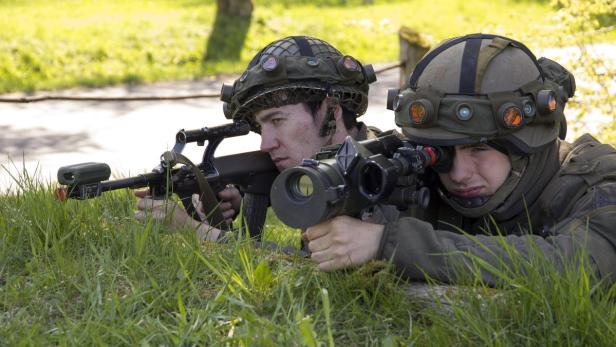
(345, 179)
(252, 172)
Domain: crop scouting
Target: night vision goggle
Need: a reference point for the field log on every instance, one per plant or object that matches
(485, 115)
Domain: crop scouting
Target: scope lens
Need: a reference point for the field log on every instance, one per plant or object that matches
(371, 180)
(301, 186)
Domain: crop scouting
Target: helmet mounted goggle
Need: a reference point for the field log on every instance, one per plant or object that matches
(478, 116)
(446, 119)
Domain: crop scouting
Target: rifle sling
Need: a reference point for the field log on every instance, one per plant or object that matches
(208, 198)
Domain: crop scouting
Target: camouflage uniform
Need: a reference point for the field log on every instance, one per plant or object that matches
(566, 191)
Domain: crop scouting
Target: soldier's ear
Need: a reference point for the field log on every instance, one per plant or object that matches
(331, 112)
(338, 113)
(323, 109)
(337, 108)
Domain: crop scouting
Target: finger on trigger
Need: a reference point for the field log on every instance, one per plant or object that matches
(314, 232)
(228, 214)
(141, 203)
(142, 193)
(140, 215)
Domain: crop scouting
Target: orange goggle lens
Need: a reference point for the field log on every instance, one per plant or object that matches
(552, 103)
(418, 113)
(512, 117)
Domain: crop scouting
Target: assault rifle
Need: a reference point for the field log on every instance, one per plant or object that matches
(345, 179)
(252, 172)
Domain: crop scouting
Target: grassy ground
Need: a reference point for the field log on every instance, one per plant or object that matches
(65, 43)
(86, 273)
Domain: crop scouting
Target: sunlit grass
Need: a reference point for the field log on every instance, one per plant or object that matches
(49, 45)
(87, 273)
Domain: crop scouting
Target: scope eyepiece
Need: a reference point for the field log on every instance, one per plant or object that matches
(300, 186)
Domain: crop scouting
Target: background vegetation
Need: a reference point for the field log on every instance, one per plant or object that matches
(46, 45)
(66, 43)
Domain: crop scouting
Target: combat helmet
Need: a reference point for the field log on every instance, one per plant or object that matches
(483, 88)
(298, 69)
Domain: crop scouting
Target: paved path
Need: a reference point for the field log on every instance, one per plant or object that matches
(130, 136)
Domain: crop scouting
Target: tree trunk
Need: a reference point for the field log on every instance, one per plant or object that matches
(229, 31)
(240, 8)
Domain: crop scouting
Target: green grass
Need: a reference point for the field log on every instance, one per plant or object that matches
(67, 43)
(87, 273)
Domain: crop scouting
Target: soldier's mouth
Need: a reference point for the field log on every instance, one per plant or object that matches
(467, 193)
(279, 162)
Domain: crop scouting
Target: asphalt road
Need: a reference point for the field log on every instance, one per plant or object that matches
(129, 136)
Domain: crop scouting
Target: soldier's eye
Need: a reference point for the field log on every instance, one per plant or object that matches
(479, 148)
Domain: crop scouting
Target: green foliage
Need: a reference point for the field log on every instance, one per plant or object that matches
(539, 303)
(67, 43)
(87, 273)
(581, 21)
(322, 3)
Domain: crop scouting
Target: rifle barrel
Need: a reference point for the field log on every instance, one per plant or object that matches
(208, 133)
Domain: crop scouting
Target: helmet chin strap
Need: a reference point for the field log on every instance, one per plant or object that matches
(475, 201)
(328, 127)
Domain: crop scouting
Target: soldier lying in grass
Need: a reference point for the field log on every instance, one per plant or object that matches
(499, 111)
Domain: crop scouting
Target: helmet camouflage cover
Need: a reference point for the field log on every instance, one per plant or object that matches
(481, 87)
(297, 69)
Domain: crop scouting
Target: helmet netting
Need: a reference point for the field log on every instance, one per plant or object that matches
(288, 47)
(349, 98)
(261, 97)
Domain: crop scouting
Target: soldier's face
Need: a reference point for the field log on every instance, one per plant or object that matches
(477, 170)
(289, 134)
